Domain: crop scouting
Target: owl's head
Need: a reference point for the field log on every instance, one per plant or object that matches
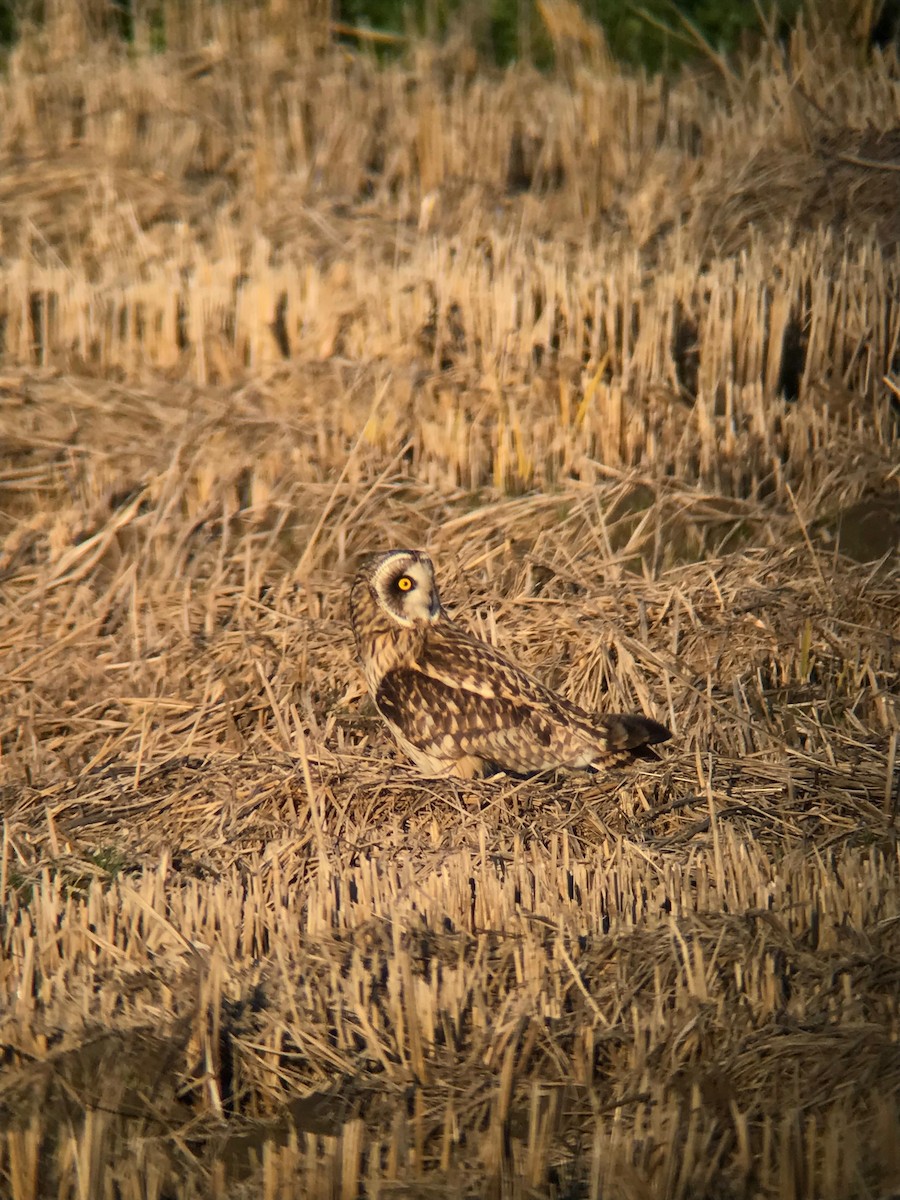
(403, 586)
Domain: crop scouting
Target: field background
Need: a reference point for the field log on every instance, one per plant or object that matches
(623, 353)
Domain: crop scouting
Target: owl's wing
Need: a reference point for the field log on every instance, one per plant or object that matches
(463, 697)
(447, 720)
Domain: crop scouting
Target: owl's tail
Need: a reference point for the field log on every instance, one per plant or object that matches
(625, 732)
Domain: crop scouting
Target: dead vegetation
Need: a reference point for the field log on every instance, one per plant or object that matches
(624, 357)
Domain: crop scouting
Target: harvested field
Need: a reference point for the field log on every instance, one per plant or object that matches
(624, 356)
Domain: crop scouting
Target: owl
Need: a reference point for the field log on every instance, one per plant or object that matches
(455, 704)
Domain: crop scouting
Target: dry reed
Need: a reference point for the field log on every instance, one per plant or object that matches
(520, 321)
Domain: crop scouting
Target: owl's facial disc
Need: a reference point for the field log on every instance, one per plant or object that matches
(404, 584)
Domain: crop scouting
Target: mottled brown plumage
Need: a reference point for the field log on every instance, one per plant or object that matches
(455, 705)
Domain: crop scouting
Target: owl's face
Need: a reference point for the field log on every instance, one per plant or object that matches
(402, 582)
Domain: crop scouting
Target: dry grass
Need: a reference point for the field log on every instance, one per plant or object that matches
(524, 322)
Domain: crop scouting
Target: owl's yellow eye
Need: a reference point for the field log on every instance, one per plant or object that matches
(405, 584)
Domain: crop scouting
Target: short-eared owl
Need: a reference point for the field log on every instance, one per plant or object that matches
(455, 704)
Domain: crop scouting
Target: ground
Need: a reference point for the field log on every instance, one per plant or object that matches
(622, 355)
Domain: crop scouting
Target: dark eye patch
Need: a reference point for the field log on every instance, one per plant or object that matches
(404, 584)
